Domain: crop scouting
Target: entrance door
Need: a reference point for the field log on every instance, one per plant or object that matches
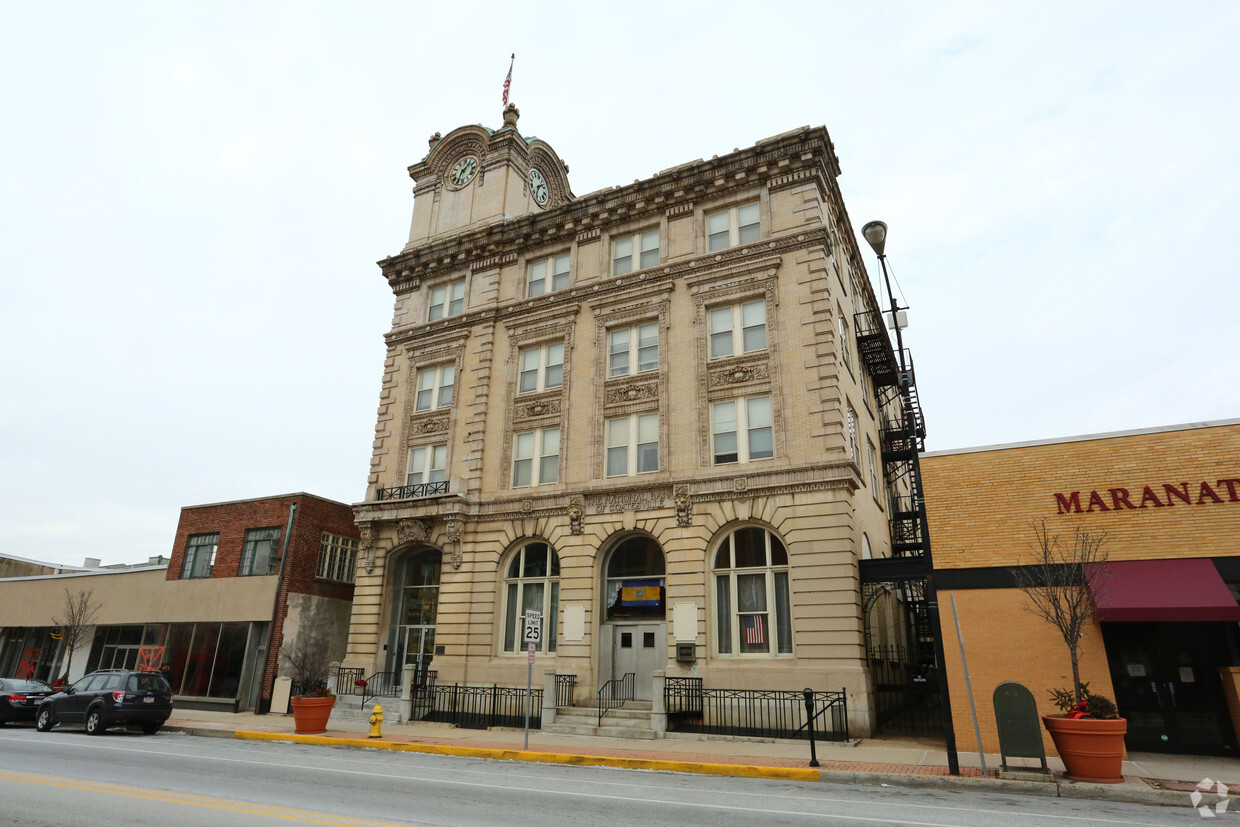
(418, 646)
(1167, 685)
(640, 649)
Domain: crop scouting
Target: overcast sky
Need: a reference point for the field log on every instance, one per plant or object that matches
(193, 200)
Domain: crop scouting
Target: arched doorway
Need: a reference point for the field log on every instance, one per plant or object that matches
(633, 637)
(415, 605)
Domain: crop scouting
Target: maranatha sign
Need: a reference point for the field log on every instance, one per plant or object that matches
(1150, 496)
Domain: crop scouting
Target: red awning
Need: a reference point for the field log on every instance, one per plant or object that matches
(1161, 590)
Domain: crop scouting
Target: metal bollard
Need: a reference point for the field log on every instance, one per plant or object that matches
(376, 719)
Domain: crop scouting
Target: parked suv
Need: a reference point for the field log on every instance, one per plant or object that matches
(110, 697)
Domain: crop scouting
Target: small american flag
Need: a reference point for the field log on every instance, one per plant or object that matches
(755, 628)
(508, 80)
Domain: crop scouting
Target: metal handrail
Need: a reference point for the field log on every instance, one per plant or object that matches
(614, 693)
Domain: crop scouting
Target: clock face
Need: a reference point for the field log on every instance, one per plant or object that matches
(538, 187)
(463, 172)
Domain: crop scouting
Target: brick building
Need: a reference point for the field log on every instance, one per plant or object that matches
(242, 573)
(643, 413)
(1164, 641)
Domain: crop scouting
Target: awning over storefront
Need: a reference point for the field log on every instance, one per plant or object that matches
(1161, 590)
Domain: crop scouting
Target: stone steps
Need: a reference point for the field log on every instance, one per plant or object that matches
(631, 721)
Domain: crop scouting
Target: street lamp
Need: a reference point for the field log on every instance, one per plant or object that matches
(875, 233)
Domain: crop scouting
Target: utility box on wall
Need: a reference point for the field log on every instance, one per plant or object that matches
(686, 652)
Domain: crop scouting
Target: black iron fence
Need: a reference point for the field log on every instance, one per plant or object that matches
(765, 713)
(482, 707)
(565, 685)
(410, 492)
(906, 693)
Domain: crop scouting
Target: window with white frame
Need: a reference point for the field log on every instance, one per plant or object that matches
(752, 608)
(634, 252)
(854, 443)
(532, 582)
(845, 341)
(737, 328)
(541, 367)
(733, 226)
(741, 430)
(199, 555)
(435, 387)
(633, 349)
(447, 300)
(427, 464)
(536, 457)
(632, 444)
(261, 552)
(547, 275)
(337, 557)
(872, 458)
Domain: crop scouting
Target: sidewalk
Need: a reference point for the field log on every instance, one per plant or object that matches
(1149, 778)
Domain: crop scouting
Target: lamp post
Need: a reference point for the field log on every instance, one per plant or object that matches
(875, 233)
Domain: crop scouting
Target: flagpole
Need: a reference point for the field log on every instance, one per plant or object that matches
(508, 79)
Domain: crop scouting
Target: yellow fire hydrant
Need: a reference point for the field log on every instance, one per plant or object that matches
(376, 719)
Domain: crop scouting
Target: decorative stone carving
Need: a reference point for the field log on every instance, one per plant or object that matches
(740, 484)
(429, 426)
(739, 374)
(684, 506)
(527, 506)
(412, 531)
(632, 393)
(576, 516)
(367, 545)
(542, 407)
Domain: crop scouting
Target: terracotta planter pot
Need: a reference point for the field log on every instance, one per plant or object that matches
(1092, 749)
(310, 714)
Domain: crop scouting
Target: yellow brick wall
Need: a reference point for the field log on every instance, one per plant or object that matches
(1003, 643)
(981, 503)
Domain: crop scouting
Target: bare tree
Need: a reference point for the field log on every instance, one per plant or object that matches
(1058, 585)
(309, 664)
(76, 621)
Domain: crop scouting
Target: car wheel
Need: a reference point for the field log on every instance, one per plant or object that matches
(151, 729)
(94, 722)
(44, 722)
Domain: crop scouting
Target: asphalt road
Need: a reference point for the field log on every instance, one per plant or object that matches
(66, 777)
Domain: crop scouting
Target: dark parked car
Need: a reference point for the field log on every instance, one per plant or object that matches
(107, 698)
(19, 698)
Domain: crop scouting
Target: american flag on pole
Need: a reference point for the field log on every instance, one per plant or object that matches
(754, 627)
(508, 80)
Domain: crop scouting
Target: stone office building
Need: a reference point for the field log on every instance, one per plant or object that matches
(641, 412)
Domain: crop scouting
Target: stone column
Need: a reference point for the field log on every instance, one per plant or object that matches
(406, 692)
(658, 707)
(548, 706)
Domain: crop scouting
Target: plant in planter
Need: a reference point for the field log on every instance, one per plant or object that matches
(1061, 585)
(309, 665)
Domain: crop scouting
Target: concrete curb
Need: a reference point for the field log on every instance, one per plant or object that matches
(698, 768)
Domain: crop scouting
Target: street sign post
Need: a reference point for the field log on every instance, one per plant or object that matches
(532, 638)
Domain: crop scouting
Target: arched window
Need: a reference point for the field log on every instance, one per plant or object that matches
(752, 613)
(532, 582)
(635, 577)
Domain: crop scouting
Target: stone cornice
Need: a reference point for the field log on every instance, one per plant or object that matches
(784, 160)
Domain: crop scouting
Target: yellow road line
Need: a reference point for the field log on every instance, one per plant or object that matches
(190, 799)
(733, 770)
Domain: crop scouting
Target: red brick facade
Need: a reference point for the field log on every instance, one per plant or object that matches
(312, 516)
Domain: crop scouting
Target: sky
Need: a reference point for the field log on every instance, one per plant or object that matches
(194, 196)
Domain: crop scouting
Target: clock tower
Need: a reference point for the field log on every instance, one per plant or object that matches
(476, 176)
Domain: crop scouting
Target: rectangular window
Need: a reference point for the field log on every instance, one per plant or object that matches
(447, 300)
(633, 349)
(733, 226)
(854, 443)
(872, 457)
(199, 555)
(737, 328)
(536, 457)
(741, 430)
(427, 463)
(845, 340)
(632, 445)
(547, 275)
(337, 557)
(261, 551)
(435, 387)
(541, 368)
(641, 250)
